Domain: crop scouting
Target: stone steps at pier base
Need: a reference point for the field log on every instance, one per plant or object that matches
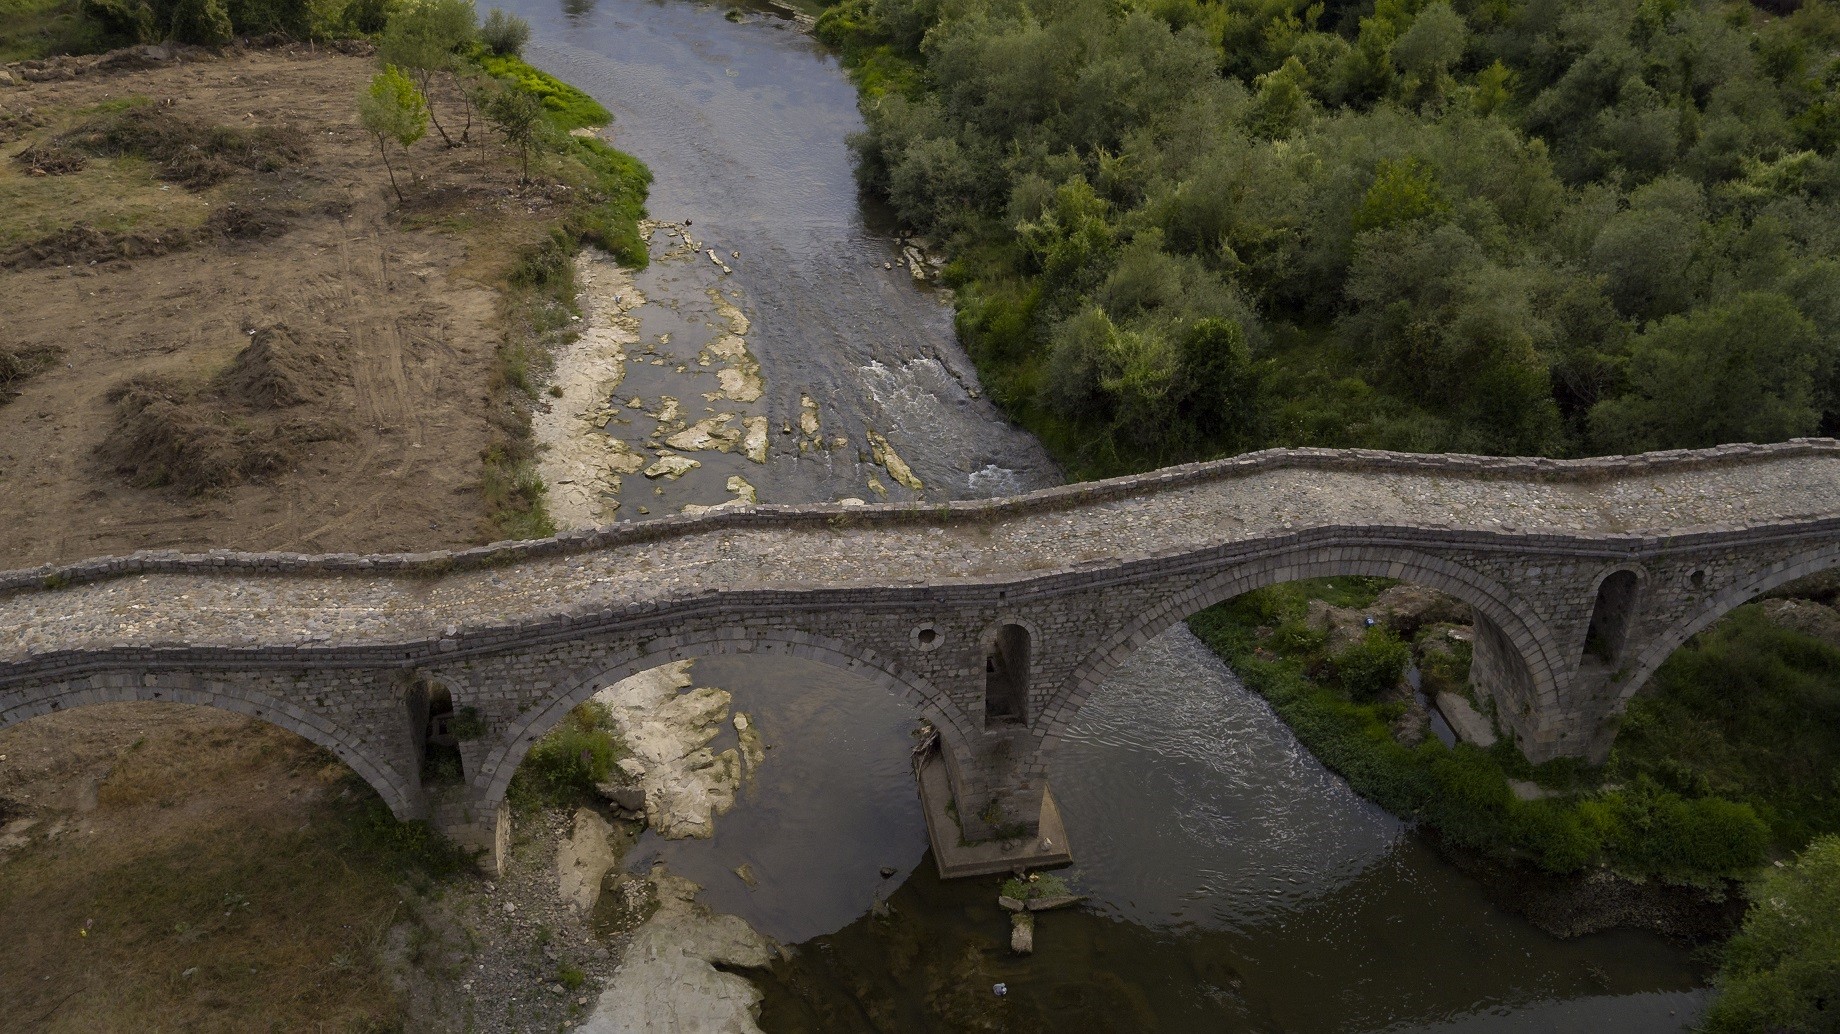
(1047, 849)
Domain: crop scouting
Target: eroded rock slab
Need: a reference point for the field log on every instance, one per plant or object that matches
(668, 982)
(668, 731)
(583, 859)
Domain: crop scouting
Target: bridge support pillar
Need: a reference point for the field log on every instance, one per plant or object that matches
(986, 809)
(484, 831)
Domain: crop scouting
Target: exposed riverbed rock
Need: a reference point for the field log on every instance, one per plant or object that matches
(897, 468)
(668, 982)
(1804, 616)
(1345, 625)
(671, 467)
(583, 858)
(686, 784)
(1410, 607)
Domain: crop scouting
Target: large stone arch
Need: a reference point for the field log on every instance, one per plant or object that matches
(1533, 645)
(1660, 647)
(502, 761)
(399, 790)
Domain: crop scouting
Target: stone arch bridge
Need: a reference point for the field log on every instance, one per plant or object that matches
(996, 619)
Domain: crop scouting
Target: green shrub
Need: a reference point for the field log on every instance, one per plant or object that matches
(1295, 638)
(1372, 667)
(562, 767)
(204, 22)
(1463, 792)
(1782, 970)
(1652, 830)
(568, 107)
(503, 34)
(1443, 671)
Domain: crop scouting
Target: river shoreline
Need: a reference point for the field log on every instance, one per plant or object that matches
(833, 320)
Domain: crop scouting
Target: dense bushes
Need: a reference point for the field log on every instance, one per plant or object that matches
(1642, 829)
(562, 767)
(1517, 227)
(1782, 971)
(1749, 712)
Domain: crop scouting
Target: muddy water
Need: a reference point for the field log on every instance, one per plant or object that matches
(1234, 884)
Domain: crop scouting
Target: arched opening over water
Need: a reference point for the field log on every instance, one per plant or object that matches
(785, 783)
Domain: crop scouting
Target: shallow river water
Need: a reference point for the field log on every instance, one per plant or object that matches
(1233, 883)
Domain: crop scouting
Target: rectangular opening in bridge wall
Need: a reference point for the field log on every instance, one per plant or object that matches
(1006, 677)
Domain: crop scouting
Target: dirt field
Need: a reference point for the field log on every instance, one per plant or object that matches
(134, 901)
(390, 308)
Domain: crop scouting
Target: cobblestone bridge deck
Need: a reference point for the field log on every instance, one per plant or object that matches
(1644, 550)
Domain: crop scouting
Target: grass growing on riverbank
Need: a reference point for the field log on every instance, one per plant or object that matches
(605, 192)
(1645, 828)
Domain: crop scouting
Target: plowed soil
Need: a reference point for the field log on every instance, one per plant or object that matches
(123, 275)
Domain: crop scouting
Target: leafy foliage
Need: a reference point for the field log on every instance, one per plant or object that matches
(562, 767)
(504, 34)
(1782, 971)
(1644, 829)
(1521, 227)
(1748, 712)
(393, 109)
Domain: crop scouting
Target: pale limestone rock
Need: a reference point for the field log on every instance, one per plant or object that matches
(897, 468)
(707, 433)
(671, 467)
(583, 859)
(755, 444)
(668, 982)
(668, 731)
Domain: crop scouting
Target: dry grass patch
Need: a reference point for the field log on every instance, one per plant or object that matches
(237, 428)
(233, 877)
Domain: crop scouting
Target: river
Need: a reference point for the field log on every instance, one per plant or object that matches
(1234, 884)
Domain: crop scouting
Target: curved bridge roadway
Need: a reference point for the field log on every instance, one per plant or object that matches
(996, 618)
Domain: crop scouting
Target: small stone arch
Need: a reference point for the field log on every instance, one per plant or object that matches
(502, 761)
(397, 790)
(1616, 602)
(1658, 649)
(1531, 641)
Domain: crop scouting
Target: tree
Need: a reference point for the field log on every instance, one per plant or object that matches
(504, 34)
(1782, 971)
(203, 22)
(1744, 371)
(518, 114)
(393, 109)
(1216, 390)
(421, 39)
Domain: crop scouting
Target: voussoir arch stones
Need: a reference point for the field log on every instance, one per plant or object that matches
(593, 669)
(1680, 623)
(376, 763)
(1534, 644)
